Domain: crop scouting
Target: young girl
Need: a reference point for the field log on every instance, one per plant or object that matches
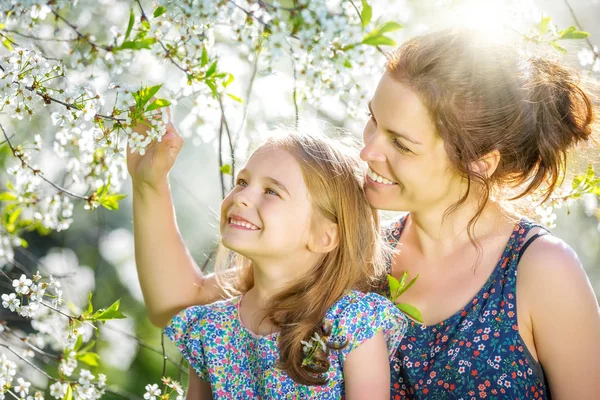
(301, 235)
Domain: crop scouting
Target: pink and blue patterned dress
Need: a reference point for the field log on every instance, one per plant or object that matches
(239, 364)
(478, 352)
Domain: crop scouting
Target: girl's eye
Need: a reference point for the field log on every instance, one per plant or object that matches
(402, 148)
(370, 115)
(272, 192)
(241, 182)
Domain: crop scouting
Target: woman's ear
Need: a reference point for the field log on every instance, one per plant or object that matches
(324, 238)
(487, 165)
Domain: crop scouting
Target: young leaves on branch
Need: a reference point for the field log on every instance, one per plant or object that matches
(397, 288)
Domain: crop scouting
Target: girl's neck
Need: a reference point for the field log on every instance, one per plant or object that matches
(269, 279)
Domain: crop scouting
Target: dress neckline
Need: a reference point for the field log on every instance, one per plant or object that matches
(237, 304)
(507, 248)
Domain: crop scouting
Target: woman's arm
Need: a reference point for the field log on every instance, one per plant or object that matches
(169, 277)
(564, 316)
(197, 388)
(367, 370)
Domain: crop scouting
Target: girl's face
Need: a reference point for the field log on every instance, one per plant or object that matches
(409, 169)
(267, 214)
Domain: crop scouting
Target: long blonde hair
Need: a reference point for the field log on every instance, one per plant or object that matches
(335, 183)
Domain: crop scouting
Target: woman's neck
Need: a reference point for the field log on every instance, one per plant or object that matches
(436, 233)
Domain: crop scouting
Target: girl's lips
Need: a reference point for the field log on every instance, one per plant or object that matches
(241, 223)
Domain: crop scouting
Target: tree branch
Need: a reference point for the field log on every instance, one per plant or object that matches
(38, 172)
(80, 35)
(587, 39)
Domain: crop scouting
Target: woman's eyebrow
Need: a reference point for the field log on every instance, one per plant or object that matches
(400, 134)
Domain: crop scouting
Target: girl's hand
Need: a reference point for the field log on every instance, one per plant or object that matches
(152, 168)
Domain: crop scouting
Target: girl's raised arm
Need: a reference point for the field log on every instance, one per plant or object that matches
(169, 277)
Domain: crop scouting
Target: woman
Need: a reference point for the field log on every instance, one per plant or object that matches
(456, 125)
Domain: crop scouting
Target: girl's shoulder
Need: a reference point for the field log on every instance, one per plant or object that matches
(199, 316)
(360, 309)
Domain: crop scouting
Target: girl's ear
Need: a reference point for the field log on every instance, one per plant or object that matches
(487, 165)
(324, 238)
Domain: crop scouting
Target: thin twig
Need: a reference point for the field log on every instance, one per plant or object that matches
(38, 172)
(79, 34)
(26, 341)
(167, 53)
(139, 341)
(248, 93)
(587, 39)
(39, 38)
(164, 353)
(231, 147)
(248, 13)
(41, 371)
(47, 98)
(221, 156)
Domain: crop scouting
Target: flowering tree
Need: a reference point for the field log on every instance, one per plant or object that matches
(70, 94)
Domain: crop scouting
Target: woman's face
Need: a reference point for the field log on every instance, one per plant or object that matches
(409, 169)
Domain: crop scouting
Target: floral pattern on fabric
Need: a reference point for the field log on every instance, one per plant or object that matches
(240, 364)
(478, 352)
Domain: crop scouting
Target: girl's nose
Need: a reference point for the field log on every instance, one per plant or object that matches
(242, 199)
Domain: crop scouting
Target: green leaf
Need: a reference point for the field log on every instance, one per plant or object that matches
(14, 216)
(347, 64)
(158, 103)
(88, 346)
(558, 47)
(211, 70)
(366, 14)
(230, 79)
(130, 24)
(10, 186)
(111, 312)
(90, 359)
(213, 88)
(403, 280)
(7, 196)
(69, 393)
(24, 243)
(572, 33)
(235, 98)
(394, 286)
(146, 24)
(412, 282)
(111, 202)
(389, 27)
(204, 58)
(159, 11)
(411, 311)
(90, 307)
(225, 169)
(378, 40)
(137, 44)
(7, 44)
(144, 95)
(544, 25)
(78, 343)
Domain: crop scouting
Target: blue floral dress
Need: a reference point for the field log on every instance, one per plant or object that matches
(478, 352)
(239, 364)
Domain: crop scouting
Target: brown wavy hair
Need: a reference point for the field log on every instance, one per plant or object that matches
(483, 97)
(335, 181)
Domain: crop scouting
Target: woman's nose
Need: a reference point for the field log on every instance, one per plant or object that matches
(372, 150)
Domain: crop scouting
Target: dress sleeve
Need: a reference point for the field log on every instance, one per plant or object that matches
(363, 318)
(185, 331)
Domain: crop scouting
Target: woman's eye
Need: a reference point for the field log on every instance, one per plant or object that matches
(241, 182)
(402, 148)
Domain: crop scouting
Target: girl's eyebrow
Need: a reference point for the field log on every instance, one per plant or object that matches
(402, 135)
(269, 179)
